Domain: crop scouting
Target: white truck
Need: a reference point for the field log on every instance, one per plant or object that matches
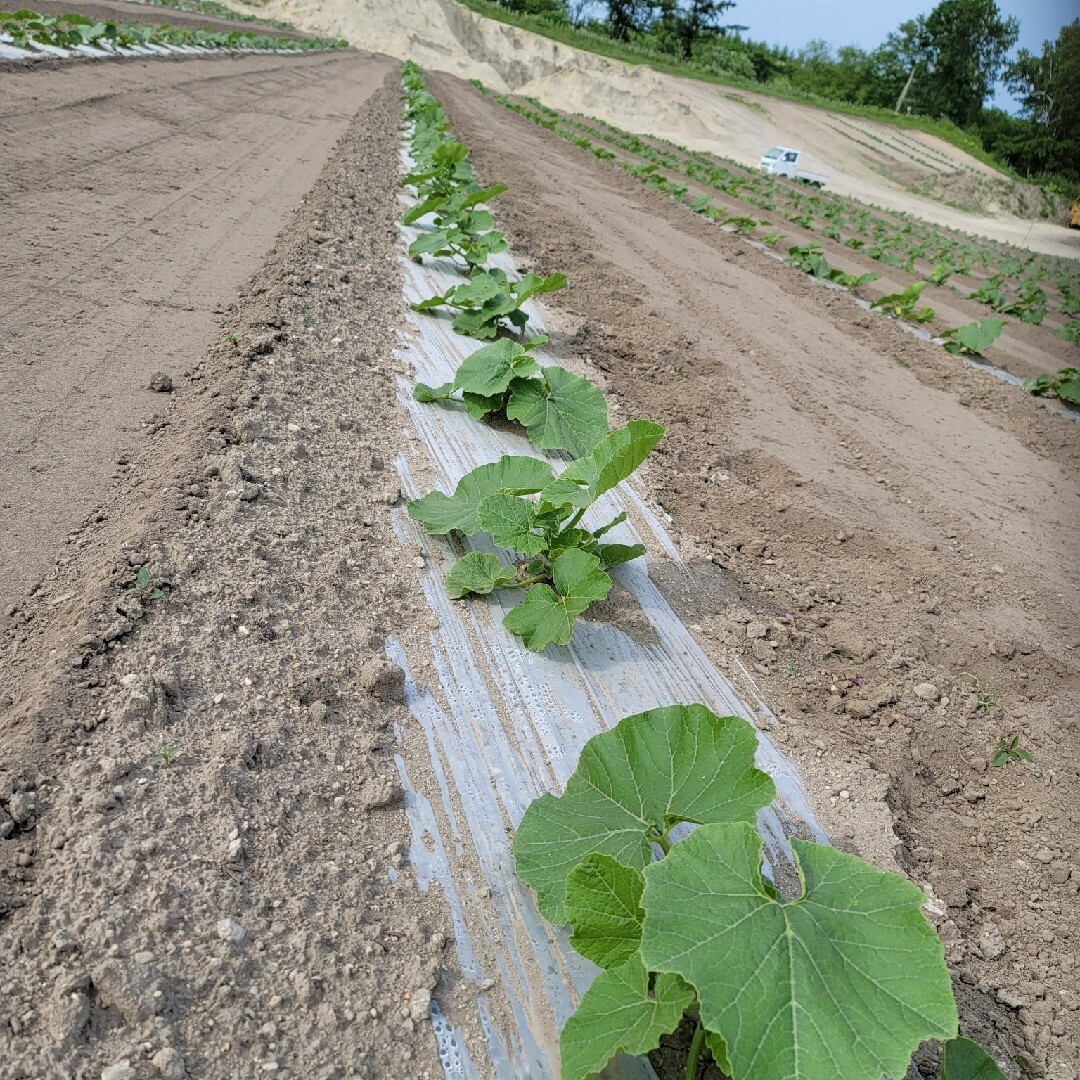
(784, 161)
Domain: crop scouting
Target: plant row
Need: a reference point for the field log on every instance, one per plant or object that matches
(900, 244)
(556, 559)
(896, 240)
(30, 30)
(845, 979)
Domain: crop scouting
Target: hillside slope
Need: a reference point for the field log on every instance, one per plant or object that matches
(874, 162)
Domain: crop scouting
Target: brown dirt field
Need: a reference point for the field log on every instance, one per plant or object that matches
(200, 819)
(906, 529)
(134, 198)
(150, 14)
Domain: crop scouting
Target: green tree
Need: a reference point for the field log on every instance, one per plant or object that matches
(1048, 88)
(966, 46)
(551, 9)
(626, 17)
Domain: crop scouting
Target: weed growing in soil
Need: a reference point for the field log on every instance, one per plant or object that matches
(1010, 750)
(140, 586)
(164, 756)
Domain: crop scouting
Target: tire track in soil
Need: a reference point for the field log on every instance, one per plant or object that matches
(893, 521)
(243, 907)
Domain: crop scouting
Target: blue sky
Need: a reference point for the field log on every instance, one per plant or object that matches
(844, 22)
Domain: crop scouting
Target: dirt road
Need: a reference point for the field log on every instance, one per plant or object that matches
(903, 533)
(134, 199)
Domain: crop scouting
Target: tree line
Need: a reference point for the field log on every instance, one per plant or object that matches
(944, 65)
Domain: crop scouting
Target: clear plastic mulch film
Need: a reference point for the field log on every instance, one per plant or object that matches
(503, 724)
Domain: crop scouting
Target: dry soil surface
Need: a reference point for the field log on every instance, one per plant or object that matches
(904, 530)
(200, 819)
(135, 197)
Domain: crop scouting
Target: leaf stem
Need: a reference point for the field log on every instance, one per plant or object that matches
(695, 1051)
(572, 523)
(664, 842)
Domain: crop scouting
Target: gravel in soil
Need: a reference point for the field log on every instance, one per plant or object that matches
(202, 869)
(900, 531)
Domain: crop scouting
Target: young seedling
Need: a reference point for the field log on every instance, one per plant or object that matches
(1010, 750)
(560, 411)
(164, 756)
(843, 981)
(139, 587)
(561, 563)
(973, 337)
(902, 305)
(1063, 384)
(490, 300)
(809, 259)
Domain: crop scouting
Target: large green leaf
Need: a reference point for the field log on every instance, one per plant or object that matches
(561, 411)
(510, 521)
(976, 336)
(603, 907)
(632, 783)
(612, 460)
(478, 572)
(619, 1015)
(491, 368)
(440, 513)
(965, 1060)
(547, 615)
(845, 982)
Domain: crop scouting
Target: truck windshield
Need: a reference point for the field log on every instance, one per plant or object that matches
(775, 153)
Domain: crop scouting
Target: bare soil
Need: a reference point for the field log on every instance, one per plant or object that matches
(135, 197)
(150, 14)
(904, 530)
(201, 831)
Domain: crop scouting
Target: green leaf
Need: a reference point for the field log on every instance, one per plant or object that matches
(618, 1015)
(547, 616)
(613, 459)
(1069, 390)
(976, 336)
(655, 769)
(614, 554)
(531, 285)
(845, 981)
(603, 906)
(440, 513)
(478, 572)
(965, 1060)
(491, 368)
(561, 411)
(425, 393)
(510, 521)
(478, 406)
(429, 243)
